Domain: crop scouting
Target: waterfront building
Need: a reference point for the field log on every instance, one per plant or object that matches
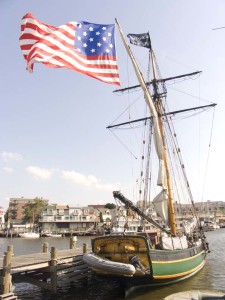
(128, 220)
(68, 219)
(2, 219)
(80, 220)
(16, 209)
(75, 219)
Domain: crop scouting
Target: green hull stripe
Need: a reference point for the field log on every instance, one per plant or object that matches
(175, 261)
(178, 268)
(199, 267)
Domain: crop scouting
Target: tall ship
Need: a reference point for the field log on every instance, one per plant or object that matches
(170, 254)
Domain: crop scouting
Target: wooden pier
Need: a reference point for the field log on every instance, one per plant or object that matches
(48, 269)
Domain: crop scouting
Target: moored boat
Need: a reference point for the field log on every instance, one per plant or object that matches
(29, 235)
(176, 254)
(146, 265)
(108, 267)
(56, 235)
(208, 226)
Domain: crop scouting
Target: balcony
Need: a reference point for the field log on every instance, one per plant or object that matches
(69, 219)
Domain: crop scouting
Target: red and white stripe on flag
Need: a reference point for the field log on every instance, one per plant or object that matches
(55, 48)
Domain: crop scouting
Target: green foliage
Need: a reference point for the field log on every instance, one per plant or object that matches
(110, 206)
(32, 211)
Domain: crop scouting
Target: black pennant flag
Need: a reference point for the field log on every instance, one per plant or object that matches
(142, 39)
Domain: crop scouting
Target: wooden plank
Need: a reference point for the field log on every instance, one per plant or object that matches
(29, 268)
(69, 265)
(42, 259)
(21, 264)
(8, 296)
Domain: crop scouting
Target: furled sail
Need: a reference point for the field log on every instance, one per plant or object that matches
(156, 130)
(190, 226)
(161, 205)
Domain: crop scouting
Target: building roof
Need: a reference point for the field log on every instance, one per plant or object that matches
(96, 206)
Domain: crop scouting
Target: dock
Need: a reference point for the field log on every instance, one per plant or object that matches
(48, 269)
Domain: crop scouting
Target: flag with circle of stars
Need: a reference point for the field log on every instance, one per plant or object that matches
(80, 46)
(95, 39)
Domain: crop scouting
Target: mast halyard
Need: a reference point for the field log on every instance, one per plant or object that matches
(156, 112)
(158, 104)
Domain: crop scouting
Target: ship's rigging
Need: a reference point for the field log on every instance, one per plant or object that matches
(156, 89)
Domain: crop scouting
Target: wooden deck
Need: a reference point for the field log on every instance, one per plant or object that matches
(28, 262)
(48, 270)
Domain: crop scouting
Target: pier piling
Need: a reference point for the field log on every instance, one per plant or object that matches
(53, 265)
(85, 248)
(45, 247)
(6, 278)
(73, 241)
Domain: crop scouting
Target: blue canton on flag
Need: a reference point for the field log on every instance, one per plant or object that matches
(94, 39)
(79, 46)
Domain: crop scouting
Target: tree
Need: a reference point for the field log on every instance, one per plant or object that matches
(32, 211)
(110, 206)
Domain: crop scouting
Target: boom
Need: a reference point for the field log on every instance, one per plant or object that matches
(129, 204)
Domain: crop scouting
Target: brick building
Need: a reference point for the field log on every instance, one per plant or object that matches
(16, 209)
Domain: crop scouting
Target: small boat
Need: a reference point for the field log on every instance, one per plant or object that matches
(92, 233)
(197, 295)
(105, 266)
(176, 253)
(56, 235)
(208, 226)
(29, 235)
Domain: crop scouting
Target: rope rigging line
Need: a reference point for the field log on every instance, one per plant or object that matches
(209, 148)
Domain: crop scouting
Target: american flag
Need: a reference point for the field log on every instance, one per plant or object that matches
(81, 46)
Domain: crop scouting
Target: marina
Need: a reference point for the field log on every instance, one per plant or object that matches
(163, 237)
(211, 277)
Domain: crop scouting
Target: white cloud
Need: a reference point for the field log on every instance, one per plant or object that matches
(7, 169)
(42, 173)
(11, 156)
(90, 180)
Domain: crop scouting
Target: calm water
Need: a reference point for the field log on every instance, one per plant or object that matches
(212, 277)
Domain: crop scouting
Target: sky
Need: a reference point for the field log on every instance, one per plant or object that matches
(54, 143)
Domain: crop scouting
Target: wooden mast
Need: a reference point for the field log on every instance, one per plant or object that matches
(158, 109)
(158, 105)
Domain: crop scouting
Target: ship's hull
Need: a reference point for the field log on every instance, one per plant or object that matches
(169, 265)
(152, 267)
(29, 235)
(172, 270)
